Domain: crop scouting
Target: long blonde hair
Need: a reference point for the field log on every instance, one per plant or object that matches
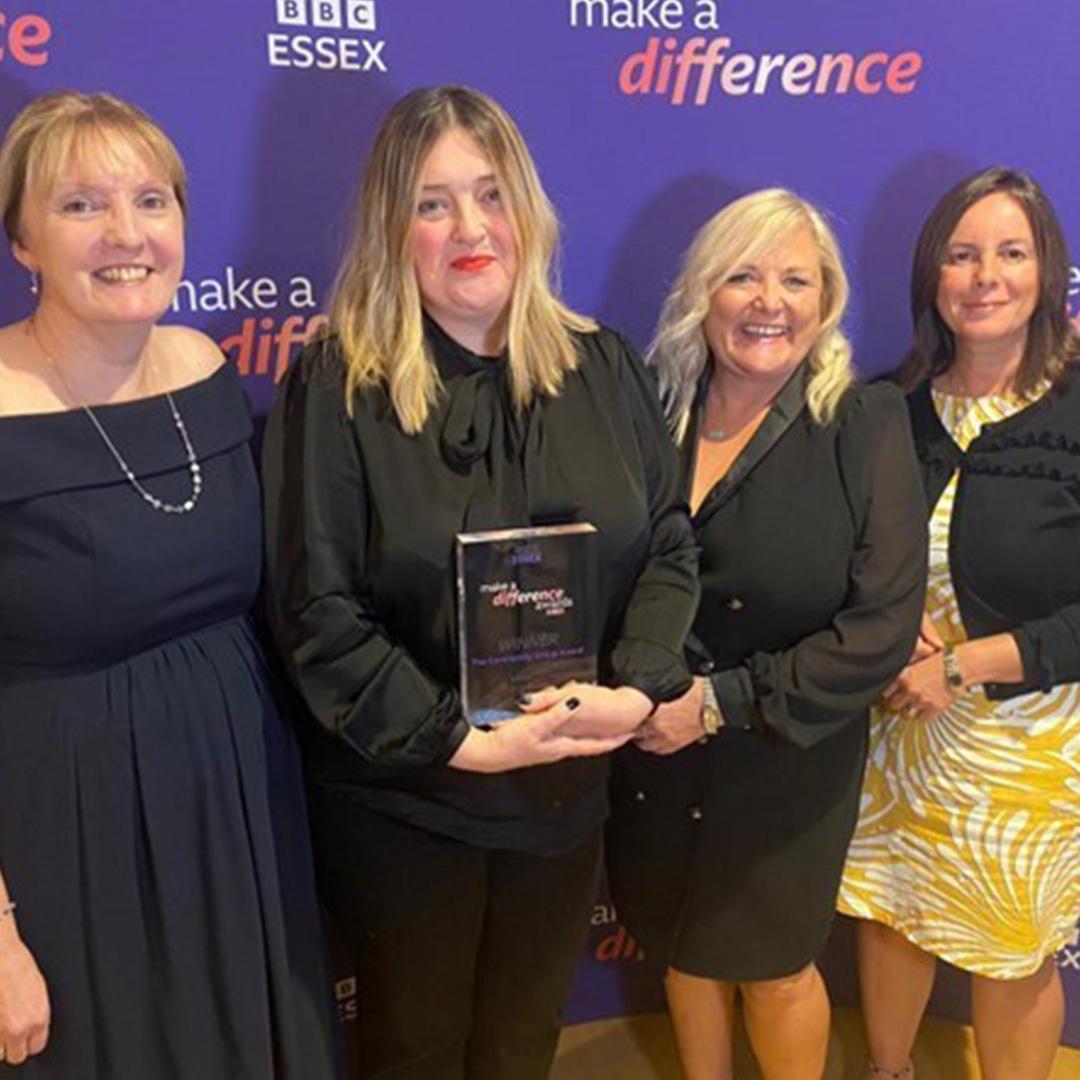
(738, 234)
(375, 308)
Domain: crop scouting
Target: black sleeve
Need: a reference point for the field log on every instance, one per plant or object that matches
(1050, 645)
(648, 654)
(1049, 651)
(807, 692)
(355, 679)
(1049, 639)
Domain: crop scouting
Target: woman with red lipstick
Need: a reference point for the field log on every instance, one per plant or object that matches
(968, 845)
(456, 393)
(732, 813)
(157, 905)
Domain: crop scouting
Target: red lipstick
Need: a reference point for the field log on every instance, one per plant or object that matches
(472, 263)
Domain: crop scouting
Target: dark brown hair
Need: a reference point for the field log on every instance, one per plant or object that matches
(1052, 344)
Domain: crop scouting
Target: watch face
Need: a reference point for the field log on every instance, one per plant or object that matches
(710, 720)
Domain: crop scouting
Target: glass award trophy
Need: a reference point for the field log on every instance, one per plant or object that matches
(527, 614)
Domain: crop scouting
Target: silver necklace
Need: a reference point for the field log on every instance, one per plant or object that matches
(194, 468)
(717, 433)
(711, 434)
(193, 464)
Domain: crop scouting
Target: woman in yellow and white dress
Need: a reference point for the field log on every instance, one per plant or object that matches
(968, 843)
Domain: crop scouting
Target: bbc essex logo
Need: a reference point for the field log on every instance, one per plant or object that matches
(324, 34)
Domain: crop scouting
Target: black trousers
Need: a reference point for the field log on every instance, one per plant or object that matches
(464, 955)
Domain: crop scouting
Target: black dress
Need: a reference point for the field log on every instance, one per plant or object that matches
(726, 857)
(152, 825)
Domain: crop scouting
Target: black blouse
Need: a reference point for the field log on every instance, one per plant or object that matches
(361, 521)
(1014, 539)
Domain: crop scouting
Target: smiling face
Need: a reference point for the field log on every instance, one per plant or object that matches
(464, 250)
(988, 286)
(765, 316)
(106, 238)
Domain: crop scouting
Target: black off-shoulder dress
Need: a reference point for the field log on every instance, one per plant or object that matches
(152, 822)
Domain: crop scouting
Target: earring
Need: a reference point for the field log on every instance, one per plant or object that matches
(35, 283)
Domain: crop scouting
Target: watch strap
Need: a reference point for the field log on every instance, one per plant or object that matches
(952, 668)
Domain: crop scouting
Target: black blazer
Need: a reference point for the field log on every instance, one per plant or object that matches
(1014, 540)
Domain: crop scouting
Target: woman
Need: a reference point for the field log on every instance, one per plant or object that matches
(732, 813)
(968, 843)
(455, 393)
(166, 922)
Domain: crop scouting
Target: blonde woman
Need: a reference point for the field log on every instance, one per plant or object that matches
(454, 393)
(733, 810)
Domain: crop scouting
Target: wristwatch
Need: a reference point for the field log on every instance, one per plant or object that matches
(712, 720)
(952, 669)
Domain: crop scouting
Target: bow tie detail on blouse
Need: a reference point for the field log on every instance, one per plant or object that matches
(516, 473)
(475, 407)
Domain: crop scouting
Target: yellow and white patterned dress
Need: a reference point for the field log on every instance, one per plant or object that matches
(968, 841)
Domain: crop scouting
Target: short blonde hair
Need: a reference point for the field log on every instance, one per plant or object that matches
(738, 234)
(53, 128)
(375, 308)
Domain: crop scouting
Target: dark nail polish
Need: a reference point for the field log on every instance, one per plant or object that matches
(572, 703)
(524, 699)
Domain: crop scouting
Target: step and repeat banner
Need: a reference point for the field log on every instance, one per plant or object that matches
(645, 116)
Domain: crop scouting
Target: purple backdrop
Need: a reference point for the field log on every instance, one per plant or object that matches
(645, 116)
